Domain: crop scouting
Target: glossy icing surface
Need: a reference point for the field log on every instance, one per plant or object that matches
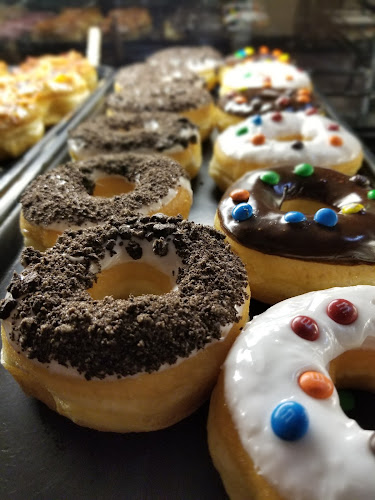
(333, 459)
(351, 240)
(314, 132)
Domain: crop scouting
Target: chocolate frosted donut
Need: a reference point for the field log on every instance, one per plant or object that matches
(204, 61)
(90, 192)
(289, 251)
(192, 102)
(76, 337)
(158, 132)
(235, 106)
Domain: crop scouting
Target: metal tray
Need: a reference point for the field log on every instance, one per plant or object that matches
(44, 456)
(15, 175)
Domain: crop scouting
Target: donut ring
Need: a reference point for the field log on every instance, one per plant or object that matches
(275, 418)
(288, 252)
(165, 133)
(203, 60)
(234, 107)
(94, 352)
(193, 102)
(92, 191)
(280, 139)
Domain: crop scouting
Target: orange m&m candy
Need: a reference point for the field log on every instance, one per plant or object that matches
(316, 385)
(239, 195)
(264, 49)
(258, 139)
(335, 140)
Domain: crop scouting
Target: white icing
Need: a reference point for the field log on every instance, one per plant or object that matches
(312, 129)
(60, 226)
(333, 460)
(252, 74)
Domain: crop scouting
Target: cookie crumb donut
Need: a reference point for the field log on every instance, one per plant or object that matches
(235, 106)
(299, 229)
(123, 327)
(165, 133)
(193, 102)
(276, 429)
(90, 192)
(283, 138)
(203, 60)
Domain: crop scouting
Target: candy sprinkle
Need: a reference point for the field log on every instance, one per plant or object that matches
(289, 421)
(242, 131)
(293, 217)
(316, 385)
(239, 195)
(326, 217)
(242, 212)
(303, 170)
(270, 177)
(305, 327)
(335, 140)
(352, 208)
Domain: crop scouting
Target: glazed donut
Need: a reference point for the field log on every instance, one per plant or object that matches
(123, 327)
(276, 430)
(193, 102)
(205, 61)
(131, 75)
(290, 247)
(158, 132)
(21, 121)
(90, 192)
(235, 106)
(280, 139)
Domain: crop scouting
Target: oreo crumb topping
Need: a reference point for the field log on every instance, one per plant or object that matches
(65, 194)
(185, 57)
(53, 317)
(154, 132)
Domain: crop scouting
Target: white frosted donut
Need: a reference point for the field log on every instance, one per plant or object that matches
(292, 431)
(281, 139)
(275, 74)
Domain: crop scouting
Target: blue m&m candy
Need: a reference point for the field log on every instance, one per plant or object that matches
(242, 211)
(294, 217)
(326, 217)
(289, 421)
(257, 120)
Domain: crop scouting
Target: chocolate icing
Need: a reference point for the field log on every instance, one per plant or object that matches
(65, 193)
(262, 100)
(55, 318)
(151, 132)
(351, 241)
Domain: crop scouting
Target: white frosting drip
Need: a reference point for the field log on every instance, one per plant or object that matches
(313, 129)
(333, 460)
(152, 208)
(251, 74)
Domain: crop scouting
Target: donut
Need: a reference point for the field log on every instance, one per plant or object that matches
(203, 60)
(275, 427)
(158, 132)
(21, 121)
(123, 327)
(300, 229)
(235, 106)
(280, 139)
(90, 192)
(132, 74)
(263, 73)
(193, 102)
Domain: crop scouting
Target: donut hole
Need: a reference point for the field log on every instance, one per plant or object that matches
(112, 185)
(308, 207)
(130, 278)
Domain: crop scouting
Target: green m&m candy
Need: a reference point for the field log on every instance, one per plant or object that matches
(270, 177)
(303, 169)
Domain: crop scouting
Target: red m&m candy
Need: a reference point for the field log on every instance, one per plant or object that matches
(342, 311)
(305, 327)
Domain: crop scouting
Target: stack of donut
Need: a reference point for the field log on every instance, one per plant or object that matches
(123, 322)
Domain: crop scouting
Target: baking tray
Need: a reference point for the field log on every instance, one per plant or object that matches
(17, 174)
(44, 456)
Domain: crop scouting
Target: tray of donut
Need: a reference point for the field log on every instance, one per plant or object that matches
(39, 99)
(130, 366)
